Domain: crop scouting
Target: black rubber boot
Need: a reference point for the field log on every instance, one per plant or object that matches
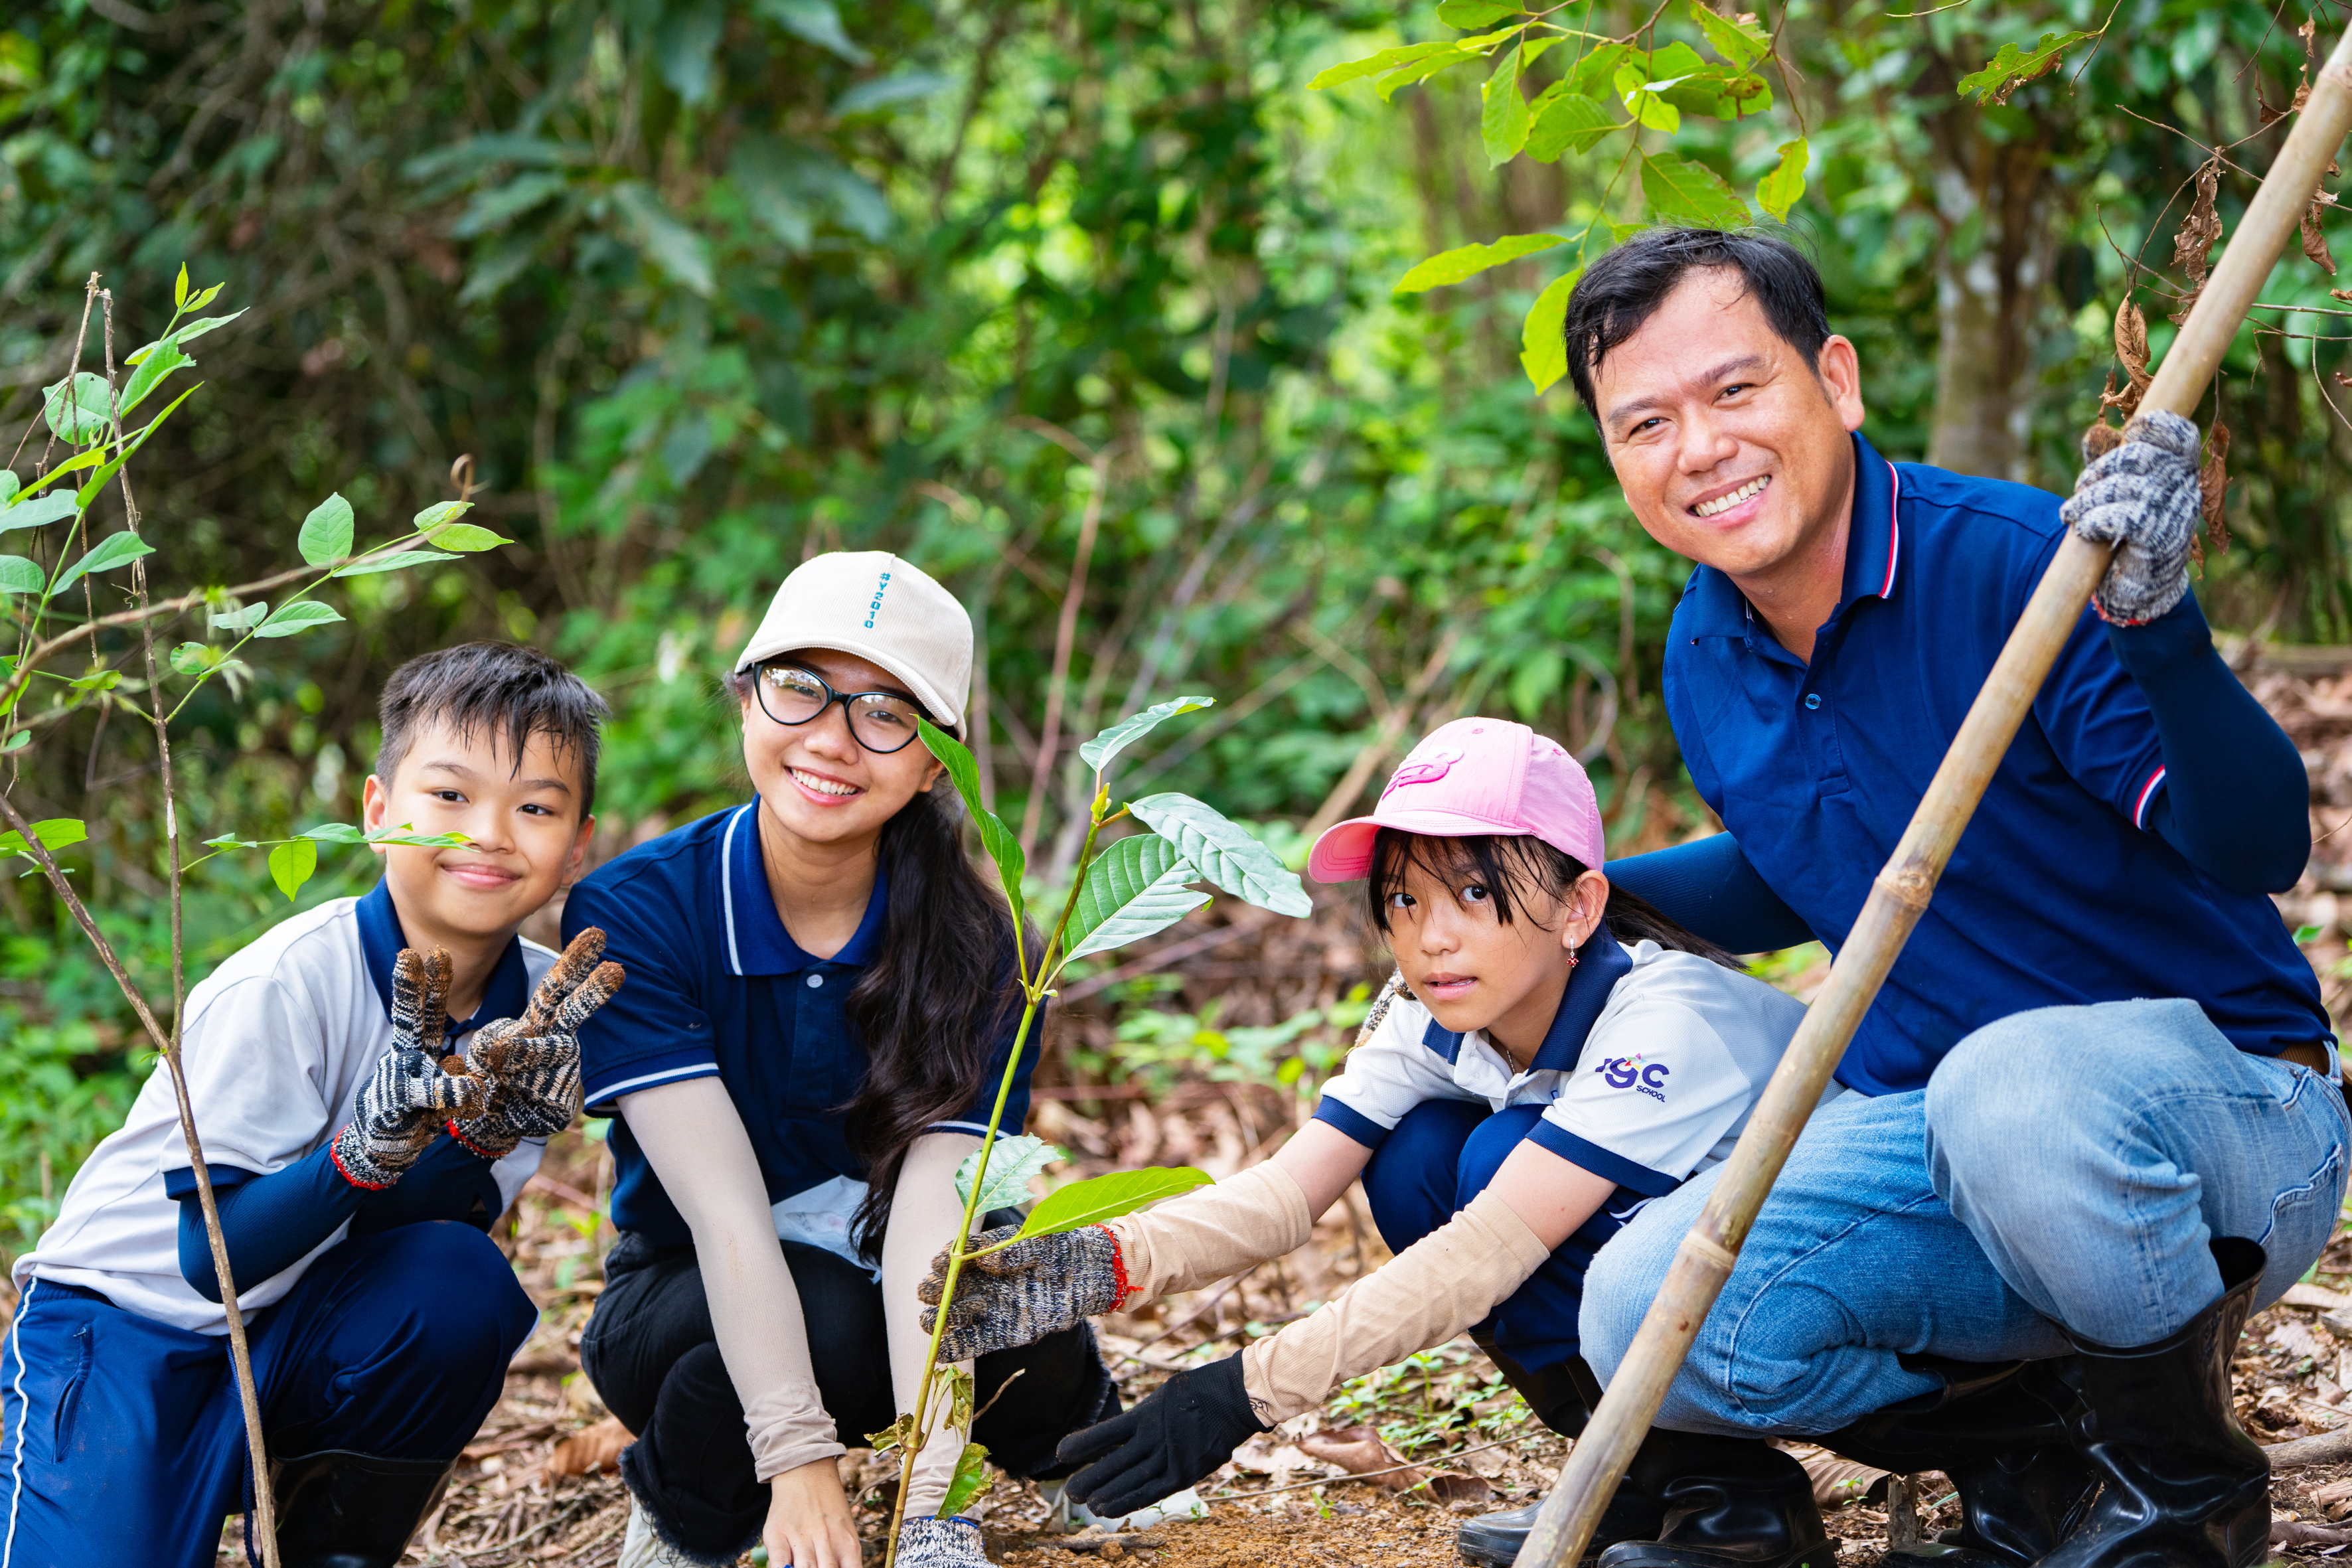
(1562, 1399)
(1731, 1502)
(340, 1510)
(2004, 1435)
(2185, 1487)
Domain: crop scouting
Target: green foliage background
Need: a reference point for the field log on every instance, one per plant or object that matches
(704, 289)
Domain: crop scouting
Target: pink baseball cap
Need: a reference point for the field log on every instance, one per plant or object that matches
(1474, 777)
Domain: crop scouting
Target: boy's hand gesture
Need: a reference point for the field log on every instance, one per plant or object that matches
(414, 1089)
(529, 1067)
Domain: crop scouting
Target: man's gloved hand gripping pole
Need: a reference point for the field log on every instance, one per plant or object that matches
(2124, 501)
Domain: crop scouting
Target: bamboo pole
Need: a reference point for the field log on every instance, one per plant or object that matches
(1899, 896)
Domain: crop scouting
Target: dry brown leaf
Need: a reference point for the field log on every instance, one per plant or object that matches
(1837, 1482)
(2333, 1492)
(2297, 1340)
(2192, 243)
(2131, 348)
(1453, 1486)
(2315, 239)
(587, 1452)
(2213, 483)
(2318, 1296)
(2294, 1532)
(2099, 437)
(1359, 1451)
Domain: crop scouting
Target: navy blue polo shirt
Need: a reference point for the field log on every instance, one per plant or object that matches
(717, 988)
(2057, 894)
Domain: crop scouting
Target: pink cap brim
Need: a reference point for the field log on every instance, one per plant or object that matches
(1344, 853)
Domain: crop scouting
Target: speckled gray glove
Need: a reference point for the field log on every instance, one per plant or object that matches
(2143, 498)
(414, 1088)
(1020, 1295)
(951, 1542)
(531, 1065)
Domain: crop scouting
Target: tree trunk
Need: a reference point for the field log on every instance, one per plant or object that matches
(1992, 276)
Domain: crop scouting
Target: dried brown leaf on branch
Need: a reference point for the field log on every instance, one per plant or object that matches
(596, 1449)
(2213, 481)
(2192, 246)
(2099, 437)
(2315, 239)
(2131, 348)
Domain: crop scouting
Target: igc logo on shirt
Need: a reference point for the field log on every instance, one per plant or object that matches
(1628, 1072)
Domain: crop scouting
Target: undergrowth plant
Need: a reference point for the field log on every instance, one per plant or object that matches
(1120, 892)
(72, 650)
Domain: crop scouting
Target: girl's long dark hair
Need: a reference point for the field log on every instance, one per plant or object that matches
(932, 1005)
(1511, 865)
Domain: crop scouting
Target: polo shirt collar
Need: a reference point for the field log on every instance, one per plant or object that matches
(757, 942)
(381, 939)
(1604, 962)
(1873, 552)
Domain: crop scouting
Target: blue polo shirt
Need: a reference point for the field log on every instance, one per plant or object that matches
(717, 988)
(2057, 894)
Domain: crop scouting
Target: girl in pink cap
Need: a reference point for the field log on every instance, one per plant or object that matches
(1551, 1054)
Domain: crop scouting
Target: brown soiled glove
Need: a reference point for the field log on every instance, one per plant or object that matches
(529, 1067)
(1020, 1295)
(412, 1089)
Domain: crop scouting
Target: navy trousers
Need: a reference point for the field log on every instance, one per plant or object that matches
(1442, 1154)
(121, 1437)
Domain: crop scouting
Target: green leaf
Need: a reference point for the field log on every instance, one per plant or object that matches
(1776, 192)
(1469, 14)
(53, 833)
(34, 512)
(180, 288)
(327, 533)
(1225, 852)
(2012, 68)
(298, 617)
(995, 836)
(1503, 111)
(243, 620)
(1387, 60)
(207, 297)
(9, 485)
(1082, 1204)
(971, 1479)
(1543, 342)
(82, 414)
(898, 1435)
(669, 244)
(1687, 191)
(466, 537)
(1595, 75)
(1135, 888)
(97, 482)
(1469, 261)
(1742, 45)
(434, 516)
(20, 575)
(17, 742)
(190, 657)
(1639, 90)
(1010, 1164)
(391, 563)
(818, 21)
(1718, 92)
(1098, 751)
(115, 549)
(336, 833)
(883, 91)
(231, 841)
(291, 865)
(151, 370)
(103, 680)
(1566, 120)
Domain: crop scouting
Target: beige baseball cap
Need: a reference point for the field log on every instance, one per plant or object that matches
(873, 605)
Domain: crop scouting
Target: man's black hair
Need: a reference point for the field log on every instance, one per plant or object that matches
(1625, 287)
(512, 692)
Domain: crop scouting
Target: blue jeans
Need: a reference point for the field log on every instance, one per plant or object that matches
(1441, 1154)
(121, 1437)
(2063, 1166)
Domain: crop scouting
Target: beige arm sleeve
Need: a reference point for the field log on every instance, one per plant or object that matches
(1435, 1289)
(924, 1214)
(696, 1141)
(1212, 1232)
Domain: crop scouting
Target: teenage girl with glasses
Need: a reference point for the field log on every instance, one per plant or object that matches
(819, 1014)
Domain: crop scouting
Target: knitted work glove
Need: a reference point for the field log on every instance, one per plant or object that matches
(1020, 1295)
(951, 1542)
(1189, 1427)
(529, 1067)
(2143, 498)
(414, 1089)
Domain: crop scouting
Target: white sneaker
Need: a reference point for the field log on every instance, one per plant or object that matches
(643, 1547)
(1070, 1515)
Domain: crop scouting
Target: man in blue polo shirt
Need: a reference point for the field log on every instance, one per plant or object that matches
(2099, 1118)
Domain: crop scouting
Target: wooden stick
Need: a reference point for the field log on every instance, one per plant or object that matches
(1901, 892)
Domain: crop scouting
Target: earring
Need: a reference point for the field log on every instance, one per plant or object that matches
(1572, 958)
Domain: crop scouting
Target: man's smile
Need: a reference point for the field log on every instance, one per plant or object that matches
(1731, 497)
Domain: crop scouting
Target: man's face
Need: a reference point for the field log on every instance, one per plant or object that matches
(1732, 450)
(524, 821)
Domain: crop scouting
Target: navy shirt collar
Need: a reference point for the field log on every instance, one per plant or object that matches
(757, 942)
(381, 939)
(1603, 964)
(1874, 553)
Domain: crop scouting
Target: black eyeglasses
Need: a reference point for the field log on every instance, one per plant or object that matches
(881, 722)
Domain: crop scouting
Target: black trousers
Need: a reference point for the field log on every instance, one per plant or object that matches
(651, 1352)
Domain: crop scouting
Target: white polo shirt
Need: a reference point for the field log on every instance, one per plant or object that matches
(1647, 1074)
(278, 1041)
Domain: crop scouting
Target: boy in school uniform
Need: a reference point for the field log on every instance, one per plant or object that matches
(357, 1176)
